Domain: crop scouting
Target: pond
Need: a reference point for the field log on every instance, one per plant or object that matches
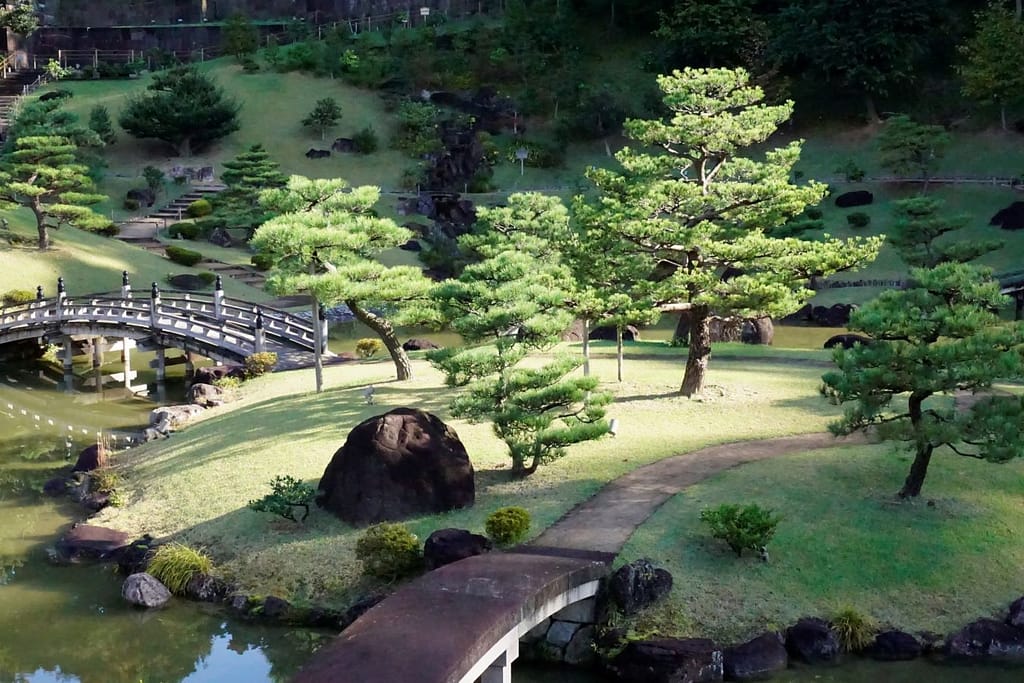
(70, 625)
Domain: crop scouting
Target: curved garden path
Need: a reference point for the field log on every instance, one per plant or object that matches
(606, 520)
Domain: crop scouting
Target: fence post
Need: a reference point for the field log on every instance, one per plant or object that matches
(95, 58)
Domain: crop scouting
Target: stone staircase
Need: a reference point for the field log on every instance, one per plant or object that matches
(12, 88)
(176, 210)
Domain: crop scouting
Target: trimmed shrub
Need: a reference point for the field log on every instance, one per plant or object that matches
(814, 213)
(15, 297)
(507, 526)
(199, 208)
(854, 630)
(389, 551)
(368, 347)
(187, 231)
(744, 528)
(262, 261)
(175, 564)
(185, 257)
(287, 493)
(858, 219)
(207, 225)
(259, 364)
(154, 178)
(366, 140)
(851, 171)
(208, 278)
(108, 230)
(131, 205)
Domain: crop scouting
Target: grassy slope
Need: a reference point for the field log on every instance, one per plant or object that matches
(844, 541)
(89, 263)
(197, 484)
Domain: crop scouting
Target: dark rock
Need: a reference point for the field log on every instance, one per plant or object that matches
(756, 659)
(318, 153)
(243, 604)
(987, 638)
(135, 557)
(91, 458)
(856, 198)
(411, 245)
(88, 542)
(205, 395)
(669, 660)
(638, 584)
(837, 315)
(629, 333)
(359, 608)
(59, 94)
(419, 345)
(324, 617)
(894, 646)
(1010, 218)
(206, 588)
(79, 486)
(221, 237)
(758, 331)
(1015, 617)
(58, 486)
(275, 608)
(143, 195)
(812, 641)
(344, 145)
(96, 501)
(174, 417)
(445, 546)
(403, 463)
(417, 229)
(187, 281)
(144, 590)
(580, 650)
(801, 316)
(211, 373)
(846, 341)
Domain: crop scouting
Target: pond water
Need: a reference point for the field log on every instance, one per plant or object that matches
(70, 625)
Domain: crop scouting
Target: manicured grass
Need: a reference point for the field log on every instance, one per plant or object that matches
(195, 486)
(89, 263)
(844, 540)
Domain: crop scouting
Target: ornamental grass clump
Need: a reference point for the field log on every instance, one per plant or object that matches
(749, 527)
(854, 630)
(175, 564)
(389, 551)
(507, 526)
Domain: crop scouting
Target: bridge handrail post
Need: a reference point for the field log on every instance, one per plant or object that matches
(260, 339)
(126, 286)
(62, 295)
(154, 304)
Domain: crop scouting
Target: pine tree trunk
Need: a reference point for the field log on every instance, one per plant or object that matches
(1002, 114)
(44, 232)
(586, 347)
(318, 363)
(700, 351)
(386, 332)
(919, 468)
(185, 148)
(618, 351)
(872, 111)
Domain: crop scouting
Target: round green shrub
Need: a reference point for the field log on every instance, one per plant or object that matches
(259, 364)
(187, 231)
(368, 347)
(858, 219)
(508, 526)
(262, 261)
(14, 297)
(814, 213)
(208, 278)
(199, 208)
(366, 141)
(185, 257)
(389, 551)
(131, 205)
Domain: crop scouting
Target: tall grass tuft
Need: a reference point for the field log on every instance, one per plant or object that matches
(175, 564)
(854, 629)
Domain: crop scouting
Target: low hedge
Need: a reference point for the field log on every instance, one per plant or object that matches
(185, 257)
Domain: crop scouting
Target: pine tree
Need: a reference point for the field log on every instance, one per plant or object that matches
(246, 176)
(324, 240)
(699, 209)
(184, 108)
(994, 71)
(325, 115)
(241, 37)
(510, 302)
(40, 174)
(908, 147)
(100, 123)
(941, 335)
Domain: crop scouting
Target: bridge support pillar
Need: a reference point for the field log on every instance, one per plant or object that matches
(97, 362)
(501, 670)
(126, 359)
(190, 368)
(161, 373)
(69, 358)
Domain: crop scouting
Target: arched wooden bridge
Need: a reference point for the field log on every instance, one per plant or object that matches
(211, 325)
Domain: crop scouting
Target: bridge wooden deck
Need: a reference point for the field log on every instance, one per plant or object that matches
(460, 622)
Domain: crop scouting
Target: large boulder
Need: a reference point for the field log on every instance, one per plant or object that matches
(143, 590)
(89, 542)
(173, 417)
(987, 638)
(894, 646)
(91, 458)
(211, 373)
(143, 195)
(445, 546)
(812, 641)
(205, 395)
(1015, 617)
(756, 659)
(846, 341)
(638, 584)
(855, 198)
(416, 344)
(669, 660)
(405, 462)
(206, 588)
(1010, 218)
(629, 333)
(135, 557)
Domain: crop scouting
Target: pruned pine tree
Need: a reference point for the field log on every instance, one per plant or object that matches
(246, 176)
(40, 174)
(325, 115)
(698, 208)
(920, 222)
(506, 305)
(324, 240)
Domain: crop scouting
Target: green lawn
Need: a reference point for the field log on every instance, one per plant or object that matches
(844, 541)
(196, 485)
